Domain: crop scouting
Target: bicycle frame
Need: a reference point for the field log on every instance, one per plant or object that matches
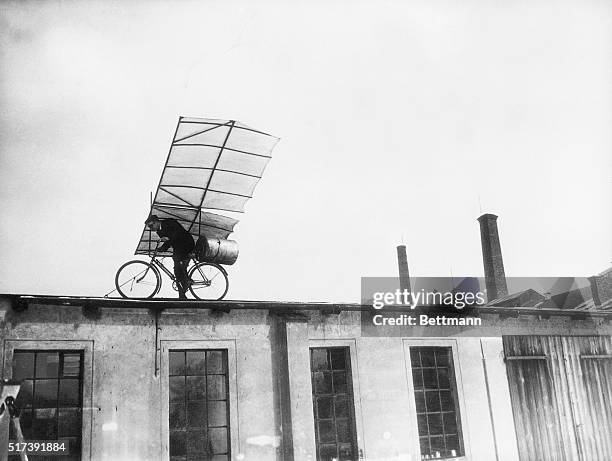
(157, 263)
(201, 275)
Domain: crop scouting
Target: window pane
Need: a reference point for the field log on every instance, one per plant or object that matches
(69, 422)
(44, 424)
(45, 393)
(23, 365)
(69, 393)
(47, 364)
(328, 452)
(417, 378)
(432, 400)
(322, 382)
(24, 397)
(346, 452)
(324, 407)
(343, 431)
(437, 446)
(72, 365)
(419, 397)
(428, 356)
(177, 389)
(196, 443)
(435, 424)
(217, 413)
(177, 443)
(450, 423)
(196, 414)
(218, 440)
(326, 431)
(443, 378)
(443, 356)
(452, 443)
(319, 360)
(74, 447)
(177, 416)
(216, 387)
(424, 443)
(448, 403)
(338, 358)
(177, 363)
(415, 357)
(339, 382)
(422, 424)
(430, 378)
(196, 363)
(215, 363)
(341, 407)
(196, 387)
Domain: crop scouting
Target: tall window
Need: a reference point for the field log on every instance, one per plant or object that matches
(332, 397)
(435, 395)
(199, 405)
(50, 397)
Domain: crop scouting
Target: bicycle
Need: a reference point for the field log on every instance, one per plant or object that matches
(142, 280)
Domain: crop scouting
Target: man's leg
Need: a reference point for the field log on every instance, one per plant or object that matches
(180, 272)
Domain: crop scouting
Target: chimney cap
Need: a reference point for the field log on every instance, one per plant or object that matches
(487, 216)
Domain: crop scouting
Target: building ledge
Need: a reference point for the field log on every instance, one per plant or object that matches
(23, 301)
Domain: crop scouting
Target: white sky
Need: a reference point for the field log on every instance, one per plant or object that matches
(394, 117)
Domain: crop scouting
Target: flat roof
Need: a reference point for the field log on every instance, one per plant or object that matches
(22, 301)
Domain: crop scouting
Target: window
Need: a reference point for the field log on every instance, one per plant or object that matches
(332, 397)
(50, 397)
(199, 405)
(435, 396)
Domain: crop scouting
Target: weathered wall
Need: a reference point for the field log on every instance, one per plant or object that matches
(385, 408)
(127, 383)
(127, 398)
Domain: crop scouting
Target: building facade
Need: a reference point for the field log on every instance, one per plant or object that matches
(168, 380)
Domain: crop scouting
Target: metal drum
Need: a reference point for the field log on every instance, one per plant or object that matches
(221, 251)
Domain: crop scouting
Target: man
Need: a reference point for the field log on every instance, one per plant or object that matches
(181, 241)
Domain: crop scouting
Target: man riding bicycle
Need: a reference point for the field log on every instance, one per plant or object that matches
(174, 235)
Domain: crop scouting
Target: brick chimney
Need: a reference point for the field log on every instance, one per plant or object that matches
(402, 262)
(495, 276)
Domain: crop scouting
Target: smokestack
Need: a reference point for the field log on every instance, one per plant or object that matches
(402, 262)
(495, 276)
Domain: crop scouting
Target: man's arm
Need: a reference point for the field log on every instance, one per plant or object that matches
(163, 235)
(165, 245)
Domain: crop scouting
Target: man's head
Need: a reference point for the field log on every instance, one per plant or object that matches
(153, 222)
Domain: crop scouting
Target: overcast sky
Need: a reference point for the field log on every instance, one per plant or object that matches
(399, 121)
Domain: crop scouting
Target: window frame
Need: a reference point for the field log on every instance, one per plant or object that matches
(230, 347)
(426, 342)
(352, 346)
(86, 347)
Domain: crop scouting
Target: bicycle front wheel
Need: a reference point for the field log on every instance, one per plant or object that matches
(137, 279)
(208, 281)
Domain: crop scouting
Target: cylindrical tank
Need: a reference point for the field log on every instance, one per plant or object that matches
(221, 251)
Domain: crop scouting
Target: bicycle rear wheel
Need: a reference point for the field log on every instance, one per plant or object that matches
(138, 279)
(208, 281)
